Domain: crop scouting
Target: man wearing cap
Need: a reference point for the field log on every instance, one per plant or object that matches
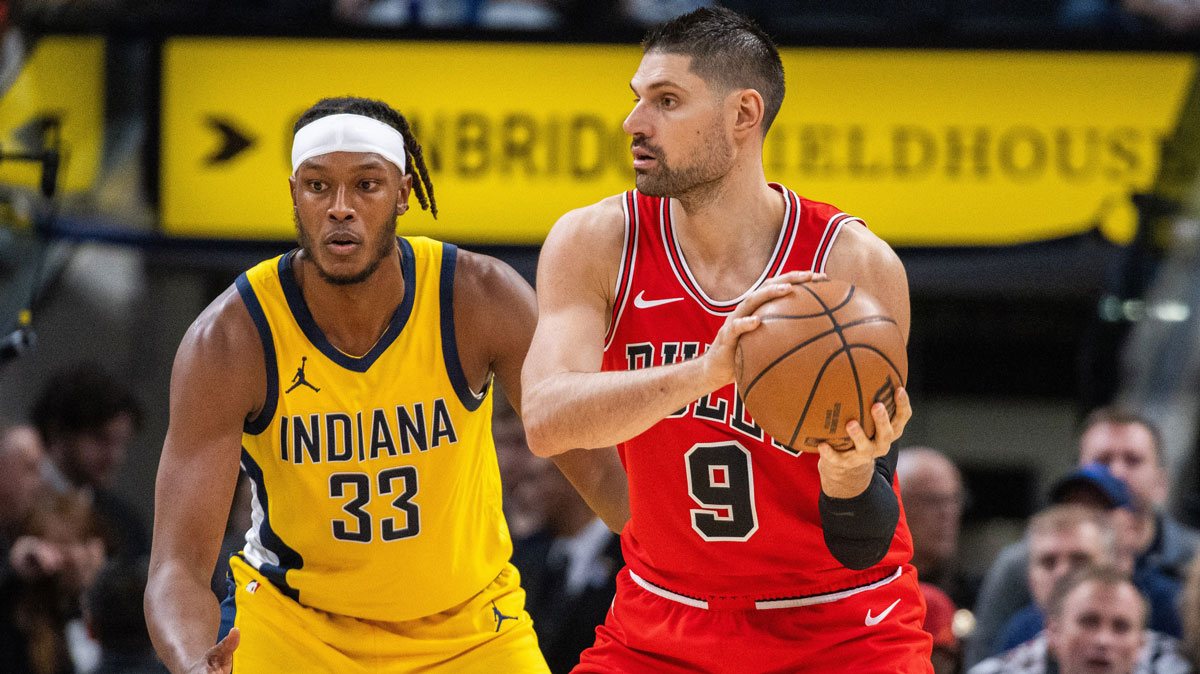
(350, 379)
(1129, 446)
(1065, 538)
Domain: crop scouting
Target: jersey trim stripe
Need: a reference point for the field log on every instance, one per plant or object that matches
(767, 604)
(628, 258)
(262, 420)
(454, 370)
(295, 301)
(288, 558)
(787, 235)
(821, 256)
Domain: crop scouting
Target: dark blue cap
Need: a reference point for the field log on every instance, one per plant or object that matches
(1097, 478)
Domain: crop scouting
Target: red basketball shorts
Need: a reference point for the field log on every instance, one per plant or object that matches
(873, 631)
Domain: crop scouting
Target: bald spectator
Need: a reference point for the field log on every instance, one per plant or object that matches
(1129, 445)
(931, 489)
(87, 419)
(1096, 623)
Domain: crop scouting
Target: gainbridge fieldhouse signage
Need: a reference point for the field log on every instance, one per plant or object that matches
(929, 147)
(56, 100)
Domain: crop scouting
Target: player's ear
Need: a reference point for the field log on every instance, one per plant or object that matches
(402, 196)
(749, 108)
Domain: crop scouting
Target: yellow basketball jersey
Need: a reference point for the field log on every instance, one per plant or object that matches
(375, 485)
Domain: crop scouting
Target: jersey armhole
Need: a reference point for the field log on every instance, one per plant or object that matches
(470, 399)
(262, 420)
(828, 237)
(625, 270)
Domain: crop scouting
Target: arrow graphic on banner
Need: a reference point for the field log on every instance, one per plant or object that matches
(233, 142)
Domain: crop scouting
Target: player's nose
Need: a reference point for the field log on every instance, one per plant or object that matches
(635, 123)
(341, 208)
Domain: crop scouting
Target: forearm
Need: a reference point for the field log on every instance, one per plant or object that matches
(859, 528)
(182, 615)
(600, 479)
(601, 409)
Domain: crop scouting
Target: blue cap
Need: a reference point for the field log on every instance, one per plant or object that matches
(1097, 478)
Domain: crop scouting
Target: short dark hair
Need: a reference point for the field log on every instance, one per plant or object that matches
(380, 111)
(81, 399)
(1122, 416)
(114, 606)
(1109, 576)
(727, 49)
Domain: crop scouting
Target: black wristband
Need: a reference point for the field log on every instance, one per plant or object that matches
(859, 530)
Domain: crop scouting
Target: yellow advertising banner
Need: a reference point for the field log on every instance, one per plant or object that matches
(58, 97)
(929, 147)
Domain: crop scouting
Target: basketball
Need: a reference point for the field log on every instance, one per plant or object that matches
(822, 355)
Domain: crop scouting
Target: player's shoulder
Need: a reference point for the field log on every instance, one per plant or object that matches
(604, 219)
(486, 275)
(223, 330)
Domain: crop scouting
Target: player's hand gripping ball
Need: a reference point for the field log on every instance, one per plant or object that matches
(823, 354)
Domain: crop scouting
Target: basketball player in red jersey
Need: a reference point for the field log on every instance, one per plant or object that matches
(743, 555)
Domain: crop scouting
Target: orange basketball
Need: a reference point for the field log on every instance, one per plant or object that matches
(822, 355)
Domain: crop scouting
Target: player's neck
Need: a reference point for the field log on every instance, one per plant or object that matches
(735, 231)
(352, 317)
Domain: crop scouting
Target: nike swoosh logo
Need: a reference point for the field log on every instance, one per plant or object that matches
(642, 303)
(875, 620)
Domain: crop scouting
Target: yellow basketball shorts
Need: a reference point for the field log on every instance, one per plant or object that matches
(489, 633)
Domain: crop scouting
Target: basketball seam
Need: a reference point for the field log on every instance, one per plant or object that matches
(792, 351)
(849, 357)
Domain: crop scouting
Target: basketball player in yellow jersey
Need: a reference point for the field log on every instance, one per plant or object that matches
(350, 380)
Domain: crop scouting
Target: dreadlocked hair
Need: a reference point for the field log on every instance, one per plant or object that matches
(379, 111)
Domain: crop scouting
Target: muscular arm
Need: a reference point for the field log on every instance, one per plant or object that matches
(218, 379)
(568, 401)
(859, 509)
(503, 312)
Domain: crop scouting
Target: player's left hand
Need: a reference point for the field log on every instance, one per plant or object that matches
(847, 473)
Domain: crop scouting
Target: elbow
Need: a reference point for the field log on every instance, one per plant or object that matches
(539, 436)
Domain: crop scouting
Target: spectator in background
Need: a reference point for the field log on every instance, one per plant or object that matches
(1129, 445)
(1065, 538)
(568, 567)
(87, 419)
(932, 491)
(116, 620)
(939, 621)
(21, 458)
(1095, 623)
(56, 556)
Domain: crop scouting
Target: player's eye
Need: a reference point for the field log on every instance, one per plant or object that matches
(316, 185)
(368, 185)
(669, 102)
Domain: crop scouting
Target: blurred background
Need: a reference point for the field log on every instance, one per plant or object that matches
(1033, 162)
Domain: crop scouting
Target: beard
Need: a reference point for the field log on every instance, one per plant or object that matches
(709, 163)
(387, 246)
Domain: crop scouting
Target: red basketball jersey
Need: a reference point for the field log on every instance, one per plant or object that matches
(719, 509)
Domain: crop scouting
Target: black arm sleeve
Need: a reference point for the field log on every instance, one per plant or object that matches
(859, 530)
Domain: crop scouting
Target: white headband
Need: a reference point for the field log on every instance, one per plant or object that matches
(347, 133)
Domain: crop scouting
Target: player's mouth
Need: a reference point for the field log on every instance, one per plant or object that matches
(1099, 664)
(342, 243)
(643, 158)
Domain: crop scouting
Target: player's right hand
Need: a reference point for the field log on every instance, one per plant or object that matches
(719, 360)
(219, 658)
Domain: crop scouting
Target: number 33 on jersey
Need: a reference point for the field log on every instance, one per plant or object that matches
(371, 454)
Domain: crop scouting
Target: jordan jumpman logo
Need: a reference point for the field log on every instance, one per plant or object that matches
(500, 617)
(299, 378)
